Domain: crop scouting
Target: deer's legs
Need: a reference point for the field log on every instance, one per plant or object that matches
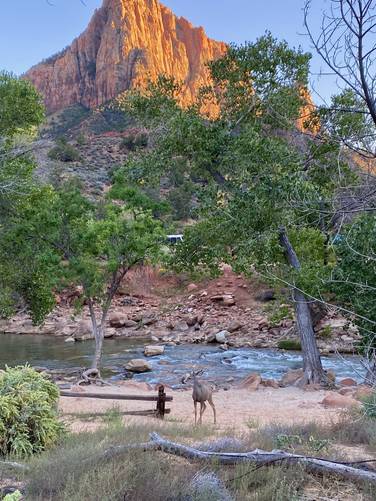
(214, 412)
(202, 410)
(195, 404)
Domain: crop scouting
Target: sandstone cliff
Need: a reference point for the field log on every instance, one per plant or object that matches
(126, 43)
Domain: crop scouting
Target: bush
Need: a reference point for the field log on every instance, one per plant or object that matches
(290, 344)
(369, 406)
(28, 412)
(133, 142)
(64, 152)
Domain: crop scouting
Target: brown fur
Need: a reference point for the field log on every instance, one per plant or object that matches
(202, 393)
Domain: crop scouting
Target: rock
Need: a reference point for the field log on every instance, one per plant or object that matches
(224, 347)
(221, 337)
(117, 319)
(149, 319)
(181, 326)
(191, 320)
(225, 299)
(339, 401)
(292, 377)
(363, 391)
(109, 332)
(263, 322)
(152, 351)
(129, 324)
(346, 391)
(138, 365)
(192, 287)
(251, 382)
(154, 339)
(347, 339)
(266, 295)
(270, 383)
(83, 331)
(70, 340)
(348, 381)
(110, 47)
(228, 300)
(234, 326)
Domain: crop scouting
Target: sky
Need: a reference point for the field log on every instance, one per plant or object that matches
(32, 30)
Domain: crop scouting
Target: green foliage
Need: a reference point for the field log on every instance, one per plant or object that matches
(21, 107)
(369, 406)
(354, 277)
(292, 441)
(263, 80)
(64, 152)
(28, 412)
(15, 496)
(290, 344)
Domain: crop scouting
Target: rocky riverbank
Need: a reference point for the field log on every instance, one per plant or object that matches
(229, 311)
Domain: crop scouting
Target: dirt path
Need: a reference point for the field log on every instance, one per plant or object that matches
(238, 409)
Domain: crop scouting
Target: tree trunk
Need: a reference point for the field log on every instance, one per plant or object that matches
(313, 370)
(371, 372)
(98, 331)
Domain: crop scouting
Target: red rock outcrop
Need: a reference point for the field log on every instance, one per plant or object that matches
(126, 43)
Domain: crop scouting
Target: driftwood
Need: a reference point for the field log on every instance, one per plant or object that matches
(257, 456)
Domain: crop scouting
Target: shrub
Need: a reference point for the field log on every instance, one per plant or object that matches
(369, 406)
(64, 152)
(134, 141)
(290, 344)
(28, 415)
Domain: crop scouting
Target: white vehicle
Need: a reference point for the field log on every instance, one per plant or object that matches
(174, 239)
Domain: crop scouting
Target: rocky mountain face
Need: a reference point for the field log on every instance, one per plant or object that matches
(126, 43)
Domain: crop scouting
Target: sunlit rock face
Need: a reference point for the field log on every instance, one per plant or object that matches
(126, 43)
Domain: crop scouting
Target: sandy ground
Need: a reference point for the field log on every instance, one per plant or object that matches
(237, 409)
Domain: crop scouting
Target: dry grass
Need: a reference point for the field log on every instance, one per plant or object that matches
(74, 472)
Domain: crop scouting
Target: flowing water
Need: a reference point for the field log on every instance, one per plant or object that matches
(219, 365)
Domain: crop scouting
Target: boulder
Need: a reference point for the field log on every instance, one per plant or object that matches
(335, 400)
(234, 326)
(228, 300)
(83, 331)
(109, 332)
(266, 295)
(251, 382)
(348, 381)
(270, 383)
(191, 320)
(346, 390)
(221, 337)
(129, 324)
(181, 326)
(292, 377)
(70, 340)
(153, 350)
(138, 365)
(192, 287)
(117, 319)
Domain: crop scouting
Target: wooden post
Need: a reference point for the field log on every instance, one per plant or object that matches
(161, 402)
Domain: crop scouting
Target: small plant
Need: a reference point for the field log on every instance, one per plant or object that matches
(293, 441)
(290, 344)
(81, 139)
(64, 152)
(369, 406)
(326, 332)
(28, 412)
(278, 314)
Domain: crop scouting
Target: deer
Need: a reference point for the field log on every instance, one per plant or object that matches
(201, 393)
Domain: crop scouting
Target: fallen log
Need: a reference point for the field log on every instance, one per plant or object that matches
(265, 458)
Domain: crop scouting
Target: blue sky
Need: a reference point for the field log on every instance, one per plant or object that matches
(33, 29)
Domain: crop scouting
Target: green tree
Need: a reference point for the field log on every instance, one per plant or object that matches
(68, 239)
(253, 181)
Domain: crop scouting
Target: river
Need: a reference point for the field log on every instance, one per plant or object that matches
(220, 366)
